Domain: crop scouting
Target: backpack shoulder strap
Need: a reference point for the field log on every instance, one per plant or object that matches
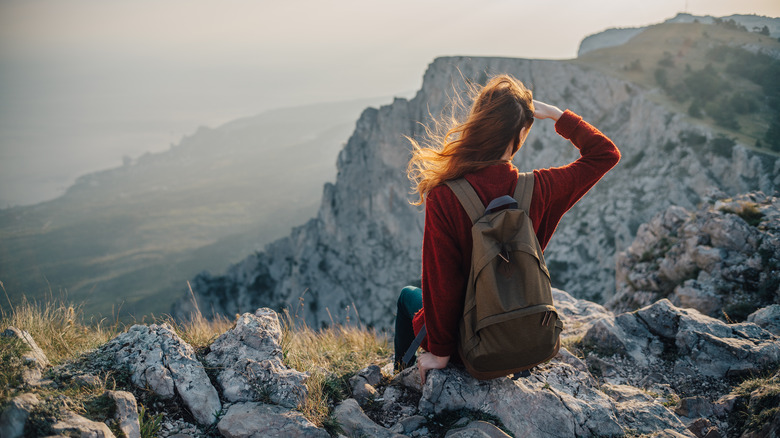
(468, 198)
(524, 191)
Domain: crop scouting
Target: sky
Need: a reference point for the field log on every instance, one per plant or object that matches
(85, 82)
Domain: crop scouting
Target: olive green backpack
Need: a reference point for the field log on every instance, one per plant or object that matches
(509, 322)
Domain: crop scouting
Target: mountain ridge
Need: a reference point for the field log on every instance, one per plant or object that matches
(364, 245)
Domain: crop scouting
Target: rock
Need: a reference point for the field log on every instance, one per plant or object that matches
(35, 358)
(162, 362)
(363, 383)
(694, 407)
(356, 423)
(410, 424)
(250, 357)
(126, 413)
(372, 374)
(261, 420)
(677, 342)
(702, 428)
(712, 260)
(361, 390)
(477, 429)
(15, 415)
(87, 380)
(767, 318)
(35, 355)
(557, 400)
(724, 405)
(71, 424)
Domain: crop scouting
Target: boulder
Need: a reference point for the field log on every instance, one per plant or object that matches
(355, 422)
(250, 359)
(71, 424)
(126, 414)
(158, 359)
(15, 415)
(556, 400)
(259, 420)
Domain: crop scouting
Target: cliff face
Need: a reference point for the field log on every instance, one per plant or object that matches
(365, 243)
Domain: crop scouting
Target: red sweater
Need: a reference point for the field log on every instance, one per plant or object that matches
(446, 251)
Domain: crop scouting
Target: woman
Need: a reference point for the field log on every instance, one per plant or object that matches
(481, 150)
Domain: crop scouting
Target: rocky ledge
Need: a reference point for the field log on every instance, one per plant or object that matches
(722, 259)
(660, 371)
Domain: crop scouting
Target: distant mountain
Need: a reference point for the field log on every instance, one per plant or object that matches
(351, 260)
(132, 236)
(619, 36)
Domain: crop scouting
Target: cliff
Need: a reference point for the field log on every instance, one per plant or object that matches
(364, 244)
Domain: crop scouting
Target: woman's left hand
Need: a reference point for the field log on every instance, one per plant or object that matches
(429, 361)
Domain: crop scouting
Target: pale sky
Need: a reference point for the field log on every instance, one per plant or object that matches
(84, 82)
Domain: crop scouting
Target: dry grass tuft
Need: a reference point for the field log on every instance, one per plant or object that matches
(331, 356)
(57, 327)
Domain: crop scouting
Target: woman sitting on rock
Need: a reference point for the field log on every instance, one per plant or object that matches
(481, 150)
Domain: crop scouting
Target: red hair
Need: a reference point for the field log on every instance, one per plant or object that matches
(500, 111)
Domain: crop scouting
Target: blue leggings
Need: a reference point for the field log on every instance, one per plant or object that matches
(409, 303)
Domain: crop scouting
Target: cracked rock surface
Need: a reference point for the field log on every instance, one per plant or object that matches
(160, 360)
(250, 361)
(721, 258)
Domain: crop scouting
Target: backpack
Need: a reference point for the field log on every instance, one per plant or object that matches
(509, 322)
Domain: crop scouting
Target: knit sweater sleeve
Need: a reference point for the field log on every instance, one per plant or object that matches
(443, 280)
(558, 189)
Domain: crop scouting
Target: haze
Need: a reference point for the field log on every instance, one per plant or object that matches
(84, 83)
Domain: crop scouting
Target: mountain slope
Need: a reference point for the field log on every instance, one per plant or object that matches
(364, 245)
(133, 235)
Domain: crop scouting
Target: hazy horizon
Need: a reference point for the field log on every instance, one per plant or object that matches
(85, 82)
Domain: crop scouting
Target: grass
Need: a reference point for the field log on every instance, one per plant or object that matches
(57, 327)
(759, 402)
(331, 356)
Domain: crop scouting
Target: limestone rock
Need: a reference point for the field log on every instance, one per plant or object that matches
(557, 400)
(251, 361)
(363, 383)
(161, 361)
(35, 358)
(72, 424)
(259, 420)
(126, 413)
(724, 257)
(679, 343)
(477, 429)
(355, 422)
(767, 318)
(15, 415)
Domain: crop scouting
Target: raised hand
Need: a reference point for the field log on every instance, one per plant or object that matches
(546, 111)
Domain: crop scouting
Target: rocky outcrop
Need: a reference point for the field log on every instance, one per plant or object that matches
(158, 359)
(33, 357)
(249, 358)
(660, 370)
(722, 259)
(365, 243)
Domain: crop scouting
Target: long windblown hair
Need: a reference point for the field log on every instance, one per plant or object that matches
(451, 148)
